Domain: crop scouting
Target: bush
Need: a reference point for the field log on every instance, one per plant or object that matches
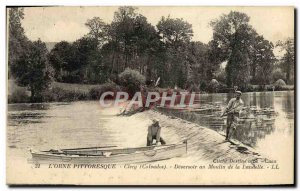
(277, 74)
(18, 95)
(131, 80)
(96, 92)
(213, 86)
(279, 83)
(58, 94)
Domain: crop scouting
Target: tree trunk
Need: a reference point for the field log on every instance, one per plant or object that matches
(253, 72)
(288, 73)
(112, 62)
(32, 98)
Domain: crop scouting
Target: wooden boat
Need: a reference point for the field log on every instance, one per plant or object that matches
(111, 154)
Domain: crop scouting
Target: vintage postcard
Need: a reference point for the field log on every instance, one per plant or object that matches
(150, 95)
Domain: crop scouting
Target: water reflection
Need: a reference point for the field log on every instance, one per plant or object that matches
(288, 103)
(265, 107)
(20, 114)
(28, 107)
(16, 119)
(27, 113)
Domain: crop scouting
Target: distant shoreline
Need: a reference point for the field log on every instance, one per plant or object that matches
(45, 102)
(65, 92)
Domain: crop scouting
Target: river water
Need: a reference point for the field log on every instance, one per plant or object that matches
(272, 126)
(86, 124)
(268, 127)
(266, 135)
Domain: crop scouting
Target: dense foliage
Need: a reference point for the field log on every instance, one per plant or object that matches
(130, 51)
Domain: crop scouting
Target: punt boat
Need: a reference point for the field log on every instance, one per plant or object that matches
(110, 154)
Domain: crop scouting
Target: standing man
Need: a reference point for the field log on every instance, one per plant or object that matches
(232, 110)
(154, 133)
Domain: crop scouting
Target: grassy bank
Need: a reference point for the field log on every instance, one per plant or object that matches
(60, 92)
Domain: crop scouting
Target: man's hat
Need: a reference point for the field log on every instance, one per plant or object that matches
(155, 121)
(238, 92)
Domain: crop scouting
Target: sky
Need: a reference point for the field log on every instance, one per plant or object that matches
(54, 24)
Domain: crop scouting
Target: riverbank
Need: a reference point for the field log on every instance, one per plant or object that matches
(60, 92)
(66, 92)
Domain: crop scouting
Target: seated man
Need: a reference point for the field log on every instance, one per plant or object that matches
(154, 133)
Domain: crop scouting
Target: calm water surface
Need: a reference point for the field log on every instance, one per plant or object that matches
(266, 125)
(265, 133)
(84, 124)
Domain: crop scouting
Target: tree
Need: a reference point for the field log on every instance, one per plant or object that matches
(176, 35)
(122, 34)
(98, 30)
(277, 74)
(233, 37)
(147, 47)
(221, 75)
(78, 62)
(201, 66)
(90, 66)
(288, 59)
(263, 60)
(32, 69)
(17, 41)
(125, 13)
(238, 69)
(133, 43)
(63, 59)
(174, 32)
